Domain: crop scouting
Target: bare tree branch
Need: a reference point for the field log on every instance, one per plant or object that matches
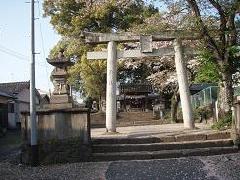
(223, 26)
(204, 31)
(231, 23)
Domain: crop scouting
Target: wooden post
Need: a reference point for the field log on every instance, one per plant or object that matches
(183, 85)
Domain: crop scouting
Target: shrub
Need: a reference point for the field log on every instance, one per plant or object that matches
(204, 112)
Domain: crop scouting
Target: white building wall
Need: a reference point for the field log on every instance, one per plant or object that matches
(24, 100)
(22, 103)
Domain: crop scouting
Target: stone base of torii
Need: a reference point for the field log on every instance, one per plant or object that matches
(146, 50)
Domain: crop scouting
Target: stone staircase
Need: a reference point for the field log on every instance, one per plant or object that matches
(115, 149)
(136, 118)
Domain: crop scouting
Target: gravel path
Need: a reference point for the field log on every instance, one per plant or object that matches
(221, 167)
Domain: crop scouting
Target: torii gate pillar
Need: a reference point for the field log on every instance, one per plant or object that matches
(111, 87)
(183, 85)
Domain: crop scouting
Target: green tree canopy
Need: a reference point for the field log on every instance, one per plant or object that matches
(71, 17)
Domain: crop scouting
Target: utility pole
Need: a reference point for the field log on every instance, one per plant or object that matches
(34, 145)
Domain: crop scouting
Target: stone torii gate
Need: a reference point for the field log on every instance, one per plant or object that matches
(146, 50)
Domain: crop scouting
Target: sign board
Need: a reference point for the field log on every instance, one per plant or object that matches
(146, 44)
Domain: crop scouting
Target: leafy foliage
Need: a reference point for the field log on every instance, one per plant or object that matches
(70, 17)
(89, 77)
(208, 71)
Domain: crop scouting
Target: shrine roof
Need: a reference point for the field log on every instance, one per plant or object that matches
(132, 88)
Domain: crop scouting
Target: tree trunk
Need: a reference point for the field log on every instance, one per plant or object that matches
(100, 103)
(225, 96)
(174, 105)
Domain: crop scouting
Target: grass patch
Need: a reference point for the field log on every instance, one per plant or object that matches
(223, 123)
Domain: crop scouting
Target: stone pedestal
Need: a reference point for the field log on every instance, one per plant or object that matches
(63, 136)
(60, 99)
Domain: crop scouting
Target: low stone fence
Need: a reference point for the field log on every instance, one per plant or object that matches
(63, 135)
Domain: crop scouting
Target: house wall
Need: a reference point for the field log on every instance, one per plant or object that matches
(8, 117)
(12, 121)
(22, 103)
(24, 96)
(20, 107)
(24, 106)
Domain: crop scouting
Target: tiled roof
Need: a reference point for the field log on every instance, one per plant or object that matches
(199, 87)
(3, 94)
(135, 88)
(14, 87)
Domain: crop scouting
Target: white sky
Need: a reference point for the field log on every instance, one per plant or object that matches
(15, 43)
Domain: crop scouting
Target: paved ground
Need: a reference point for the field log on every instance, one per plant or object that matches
(152, 131)
(221, 167)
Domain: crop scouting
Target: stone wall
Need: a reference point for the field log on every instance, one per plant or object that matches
(63, 135)
(235, 133)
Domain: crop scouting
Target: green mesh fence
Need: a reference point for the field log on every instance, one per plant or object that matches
(208, 96)
(237, 91)
(205, 97)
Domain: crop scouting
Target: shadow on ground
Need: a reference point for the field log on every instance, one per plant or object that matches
(10, 143)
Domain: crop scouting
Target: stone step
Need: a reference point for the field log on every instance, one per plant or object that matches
(138, 123)
(125, 119)
(163, 154)
(126, 140)
(169, 138)
(104, 148)
(152, 122)
(128, 123)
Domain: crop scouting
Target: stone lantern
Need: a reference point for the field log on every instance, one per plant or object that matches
(61, 95)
